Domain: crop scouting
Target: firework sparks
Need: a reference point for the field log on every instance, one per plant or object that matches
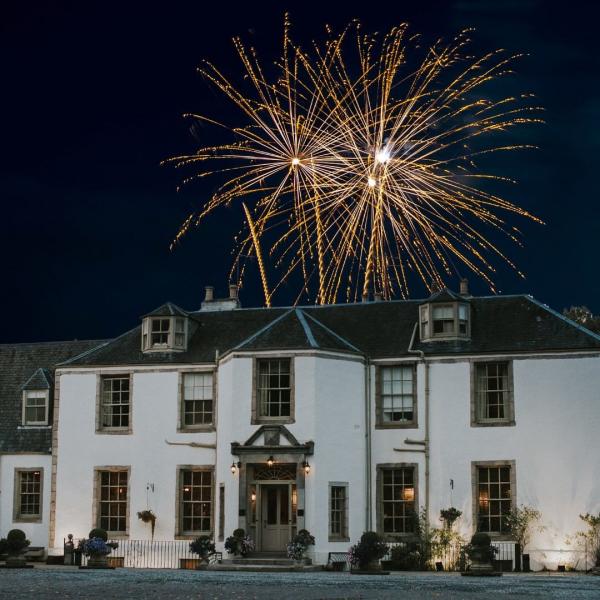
(356, 165)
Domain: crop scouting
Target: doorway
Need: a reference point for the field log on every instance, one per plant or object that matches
(276, 516)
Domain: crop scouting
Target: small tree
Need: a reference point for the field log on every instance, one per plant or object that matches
(521, 521)
(590, 538)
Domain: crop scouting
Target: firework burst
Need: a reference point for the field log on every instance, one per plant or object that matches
(356, 164)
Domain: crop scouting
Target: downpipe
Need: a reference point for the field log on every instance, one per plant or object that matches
(368, 491)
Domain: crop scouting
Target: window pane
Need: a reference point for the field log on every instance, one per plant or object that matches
(195, 501)
(112, 509)
(29, 490)
(397, 388)
(274, 388)
(197, 398)
(114, 408)
(491, 390)
(398, 500)
(492, 508)
(338, 526)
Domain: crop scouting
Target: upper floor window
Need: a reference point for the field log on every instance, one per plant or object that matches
(444, 321)
(492, 401)
(28, 495)
(114, 403)
(396, 396)
(164, 333)
(35, 407)
(273, 396)
(197, 400)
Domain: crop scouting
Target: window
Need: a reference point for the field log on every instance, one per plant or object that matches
(28, 495)
(396, 396)
(115, 402)
(494, 496)
(164, 334)
(397, 499)
(338, 512)
(221, 511)
(492, 401)
(451, 320)
(35, 407)
(273, 392)
(197, 409)
(195, 501)
(112, 511)
(159, 335)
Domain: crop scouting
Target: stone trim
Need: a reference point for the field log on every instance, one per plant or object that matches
(17, 517)
(96, 498)
(255, 418)
(392, 537)
(178, 535)
(474, 496)
(330, 536)
(40, 424)
(55, 411)
(204, 427)
(99, 430)
(379, 422)
(509, 419)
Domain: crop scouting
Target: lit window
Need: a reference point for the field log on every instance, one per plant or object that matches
(35, 407)
(397, 394)
(114, 402)
(274, 387)
(197, 399)
(494, 498)
(397, 503)
(112, 501)
(195, 499)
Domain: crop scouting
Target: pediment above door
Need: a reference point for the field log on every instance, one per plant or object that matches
(273, 439)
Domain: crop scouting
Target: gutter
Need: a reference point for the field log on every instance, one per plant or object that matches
(425, 442)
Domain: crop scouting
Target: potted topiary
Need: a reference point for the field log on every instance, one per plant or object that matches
(203, 546)
(365, 556)
(97, 549)
(16, 542)
(239, 544)
(481, 553)
(298, 546)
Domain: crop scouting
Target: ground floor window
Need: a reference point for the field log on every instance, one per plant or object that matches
(28, 495)
(494, 499)
(195, 501)
(397, 504)
(113, 503)
(221, 511)
(338, 512)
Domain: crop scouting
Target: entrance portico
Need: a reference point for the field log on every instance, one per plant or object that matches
(271, 486)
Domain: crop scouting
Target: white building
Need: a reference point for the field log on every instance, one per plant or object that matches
(336, 419)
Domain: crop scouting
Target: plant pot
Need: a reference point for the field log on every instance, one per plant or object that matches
(115, 561)
(189, 563)
(16, 561)
(98, 561)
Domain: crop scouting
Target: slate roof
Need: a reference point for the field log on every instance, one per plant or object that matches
(499, 324)
(168, 309)
(29, 366)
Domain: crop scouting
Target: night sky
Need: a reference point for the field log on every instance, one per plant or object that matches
(91, 102)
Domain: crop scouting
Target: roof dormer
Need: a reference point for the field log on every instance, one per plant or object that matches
(445, 316)
(165, 329)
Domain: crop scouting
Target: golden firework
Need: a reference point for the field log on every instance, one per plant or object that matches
(356, 164)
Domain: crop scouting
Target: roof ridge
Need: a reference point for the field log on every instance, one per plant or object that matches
(334, 334)
(306, 327)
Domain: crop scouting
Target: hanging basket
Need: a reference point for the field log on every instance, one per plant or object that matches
(147, 516)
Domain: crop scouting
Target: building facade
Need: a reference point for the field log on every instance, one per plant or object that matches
(337, 419)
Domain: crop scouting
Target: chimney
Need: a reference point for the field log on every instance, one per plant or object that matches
(209, 293)
(365, 297)
(233, 291)
(464, 287)
(377, 297)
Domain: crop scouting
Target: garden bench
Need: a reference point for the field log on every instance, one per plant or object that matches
(337, 561)
(35, 553)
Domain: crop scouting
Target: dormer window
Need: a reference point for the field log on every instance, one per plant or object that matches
(444, 320)
(35, 408)
(164, 333)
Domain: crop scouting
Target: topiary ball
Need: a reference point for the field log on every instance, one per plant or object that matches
(15, 535)
(481, 539)
(239, 533)
(98, 532)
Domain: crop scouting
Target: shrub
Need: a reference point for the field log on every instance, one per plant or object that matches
(449, 516)
(98, 532)
(239, 533)
(480, 548)
(371, 547)
(481, 539)
(202, 545)
(3, 546)
(16, 541)
(299, 544)
(589, 540)
(520, 521)
(408, 557)
(239, 543)
(304, 537)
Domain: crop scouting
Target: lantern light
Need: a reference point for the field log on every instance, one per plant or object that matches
(270, 461)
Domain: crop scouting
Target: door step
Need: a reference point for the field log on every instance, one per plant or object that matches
(252, 567)
(281, 562)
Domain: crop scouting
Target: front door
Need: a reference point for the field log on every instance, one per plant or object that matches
(276, 518)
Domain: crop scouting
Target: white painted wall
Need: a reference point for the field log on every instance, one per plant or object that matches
(37, 533)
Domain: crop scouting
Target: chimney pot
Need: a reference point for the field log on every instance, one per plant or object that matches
(365, 297)
(464, 287)
(377, 297)
(233, 291)
(209, 293)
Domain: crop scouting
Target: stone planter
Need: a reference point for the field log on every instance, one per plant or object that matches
(17, 561)
(97, 561)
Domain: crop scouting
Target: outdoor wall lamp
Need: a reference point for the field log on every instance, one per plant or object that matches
(234, 467)
(270, 461)
(306, 466)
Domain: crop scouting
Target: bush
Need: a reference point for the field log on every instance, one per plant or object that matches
(370, 548)
(3, 546)
(16, 541)
(239, 533)
(202, 545)
(98, 532)
(239, 543)
(304, 537)
(481, 539)
(408, 557)
(449, 516)
(299, 544)
(481, 549)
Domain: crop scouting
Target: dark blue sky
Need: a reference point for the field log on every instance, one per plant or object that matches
(91, 102)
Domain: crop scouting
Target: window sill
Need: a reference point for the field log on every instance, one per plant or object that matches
(34, 426)
(272, 421)
(491, 423)
(338, 539)
(117, 535)
(192, 536)
(204, 429)
(114, 431)
(398, 425)
(499, 537)
(36, 519)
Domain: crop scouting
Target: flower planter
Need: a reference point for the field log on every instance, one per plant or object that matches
(17, 561)
(97, 561)
(189, 563)
(116, 561)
